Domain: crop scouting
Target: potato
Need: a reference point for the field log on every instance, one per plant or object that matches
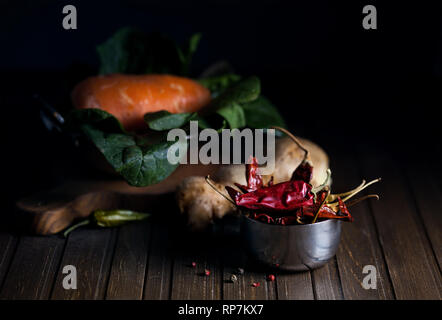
(203, 205)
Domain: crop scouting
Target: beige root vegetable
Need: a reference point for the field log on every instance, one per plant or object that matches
(202, 205)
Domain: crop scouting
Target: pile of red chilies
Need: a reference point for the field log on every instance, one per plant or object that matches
(291, 202)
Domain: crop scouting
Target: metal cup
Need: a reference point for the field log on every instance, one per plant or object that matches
(291, 247)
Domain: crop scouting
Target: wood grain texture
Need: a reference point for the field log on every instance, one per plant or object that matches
(359, 241)
(428, 196)
(33, 268)
(296, 286)
(127, 275)
(326, 282)
(411, 263)
(158, 276)
(190, 283)
(90, 251)
(235, 257)
(8, 243)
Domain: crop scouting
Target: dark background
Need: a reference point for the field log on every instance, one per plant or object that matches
(330, 78)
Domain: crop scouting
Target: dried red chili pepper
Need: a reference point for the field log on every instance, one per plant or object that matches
(328, 213)
(287, 220)
(263, 217)
(343, 211)
(254, 180)
(303, 172)
(285, 196)
(234, 194)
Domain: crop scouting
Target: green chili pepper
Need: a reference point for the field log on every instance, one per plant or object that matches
(109, 218)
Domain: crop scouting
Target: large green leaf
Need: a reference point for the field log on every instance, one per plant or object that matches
(164, 120)
(185, 54)
(219, 84)
(97, 117)
(228, 104)
(241, 92)
(261, 113)
(133, 51)
(140, 162)
(234, 115)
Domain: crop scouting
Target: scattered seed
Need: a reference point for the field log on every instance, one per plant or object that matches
(207, 272)
(233, 278)
(256, 284)
(271, 277)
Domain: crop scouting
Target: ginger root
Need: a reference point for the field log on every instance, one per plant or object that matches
(202, 205)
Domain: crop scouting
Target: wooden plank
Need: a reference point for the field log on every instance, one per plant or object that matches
(90, 252)
(243, 288)
(428, 197)
(158, 276)
(235, 257)
(412, 266)
(32, 271)
(359, 241)
(296, 286)
(326, 282)
(190, 283)
(8, 244)
(127, 275)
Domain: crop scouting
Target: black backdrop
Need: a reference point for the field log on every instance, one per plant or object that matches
(330, 78)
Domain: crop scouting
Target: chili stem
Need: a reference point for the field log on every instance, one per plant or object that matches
(333, 197)
(356, 201)
(298, 220)
(75, 226)
(293, 138)
(217, 191)
(322, 204)
(355, 192)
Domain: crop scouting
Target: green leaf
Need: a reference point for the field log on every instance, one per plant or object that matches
(185, 54)
(241, 92)
(164, 120)
(202, 123)
(228, 104)
(234, 115)
(219, 84)
(261, 113)
(139, 163)
(133, 51)
(97, 117)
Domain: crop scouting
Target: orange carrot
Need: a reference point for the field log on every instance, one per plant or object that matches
(129, 97)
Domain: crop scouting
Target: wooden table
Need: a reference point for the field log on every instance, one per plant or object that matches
(400, 235)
